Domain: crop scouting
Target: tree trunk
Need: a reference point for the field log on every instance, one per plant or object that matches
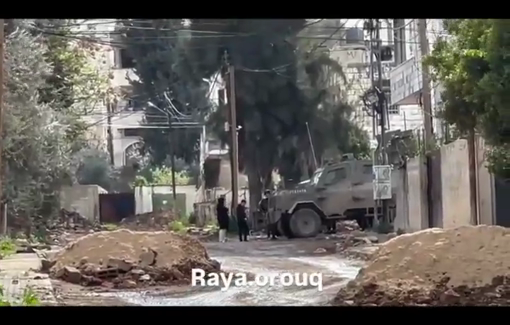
(473, 177)
(268, 180)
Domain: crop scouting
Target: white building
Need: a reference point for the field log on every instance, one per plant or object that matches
(347, 44)
(406, 76)
(126, 115)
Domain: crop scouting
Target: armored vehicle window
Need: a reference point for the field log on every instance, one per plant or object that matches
(335, 176)
(315, 178)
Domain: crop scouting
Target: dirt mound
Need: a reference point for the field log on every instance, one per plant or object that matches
(402, 293)
(149, 221)
(429, 263)
(127, 258)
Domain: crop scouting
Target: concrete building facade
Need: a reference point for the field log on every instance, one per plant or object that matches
(349, 46)
(126, 115)
(406, 75)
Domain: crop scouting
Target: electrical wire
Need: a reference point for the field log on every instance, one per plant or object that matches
(337, 29)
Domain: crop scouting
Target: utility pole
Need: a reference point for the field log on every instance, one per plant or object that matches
(426, 97)
(169, 116)
(109, 113)
(3, 205)
(375, 159)
(379, 105)
(383, 106)
(233, 132)
(172, 162)
(382, 101)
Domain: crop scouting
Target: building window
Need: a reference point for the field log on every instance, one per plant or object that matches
(394, 110)
(125, 60)
(399, 39)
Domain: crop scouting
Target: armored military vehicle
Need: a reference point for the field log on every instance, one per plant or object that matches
(338, 191)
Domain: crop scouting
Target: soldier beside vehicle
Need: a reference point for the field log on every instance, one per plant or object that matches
(338, 191)
(264, 209)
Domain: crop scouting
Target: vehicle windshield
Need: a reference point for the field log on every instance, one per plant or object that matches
(316, 176)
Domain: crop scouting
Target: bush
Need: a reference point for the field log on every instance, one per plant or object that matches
(29, 299)
(178, 226)
(7, 247)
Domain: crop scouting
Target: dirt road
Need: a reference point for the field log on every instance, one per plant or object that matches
(260, 257)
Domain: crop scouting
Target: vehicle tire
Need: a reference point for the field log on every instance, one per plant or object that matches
(279, 227)
(331, 226)
(305, 223)
(284, 227)
(362, 221)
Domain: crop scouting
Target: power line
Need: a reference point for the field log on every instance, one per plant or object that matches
(157, 39)
(217, 45)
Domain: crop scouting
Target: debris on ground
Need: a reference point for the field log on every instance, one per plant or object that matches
(127, 259)
(165, 221)
(461, 266)
(204, 233)
(347, 226)
(26, 246)
(61, 235)
(356, 238)
(157, 220)
(360, 253)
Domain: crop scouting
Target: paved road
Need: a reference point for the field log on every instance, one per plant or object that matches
(263, 258)
(17, 274)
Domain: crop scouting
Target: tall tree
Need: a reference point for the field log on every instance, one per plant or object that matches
(472, 65)
(281, 84)
(274, 100)
(158, 48)
(78, 83)
(43, 107)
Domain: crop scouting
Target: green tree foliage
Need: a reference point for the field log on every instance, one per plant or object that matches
(472, 65)
(159, 50)
(75, 85)
(281, 83)
(94, 168)
(161, 176)
(42, 127)
(279, 87)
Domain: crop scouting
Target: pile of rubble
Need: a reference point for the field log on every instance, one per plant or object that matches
(203, 233)
(462, 266)
(159, 220)
(62, 235)
(402, 293)
(127, 259)
(347, 226)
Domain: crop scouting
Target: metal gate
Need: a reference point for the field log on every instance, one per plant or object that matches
(113, 207)
(502, 202)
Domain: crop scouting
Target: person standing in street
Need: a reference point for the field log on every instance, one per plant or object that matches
(242, 221)
(264, 209)
(223, 219)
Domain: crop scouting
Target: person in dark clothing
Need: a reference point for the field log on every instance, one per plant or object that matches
(264, 209)
(242, 221)
(223, 218)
